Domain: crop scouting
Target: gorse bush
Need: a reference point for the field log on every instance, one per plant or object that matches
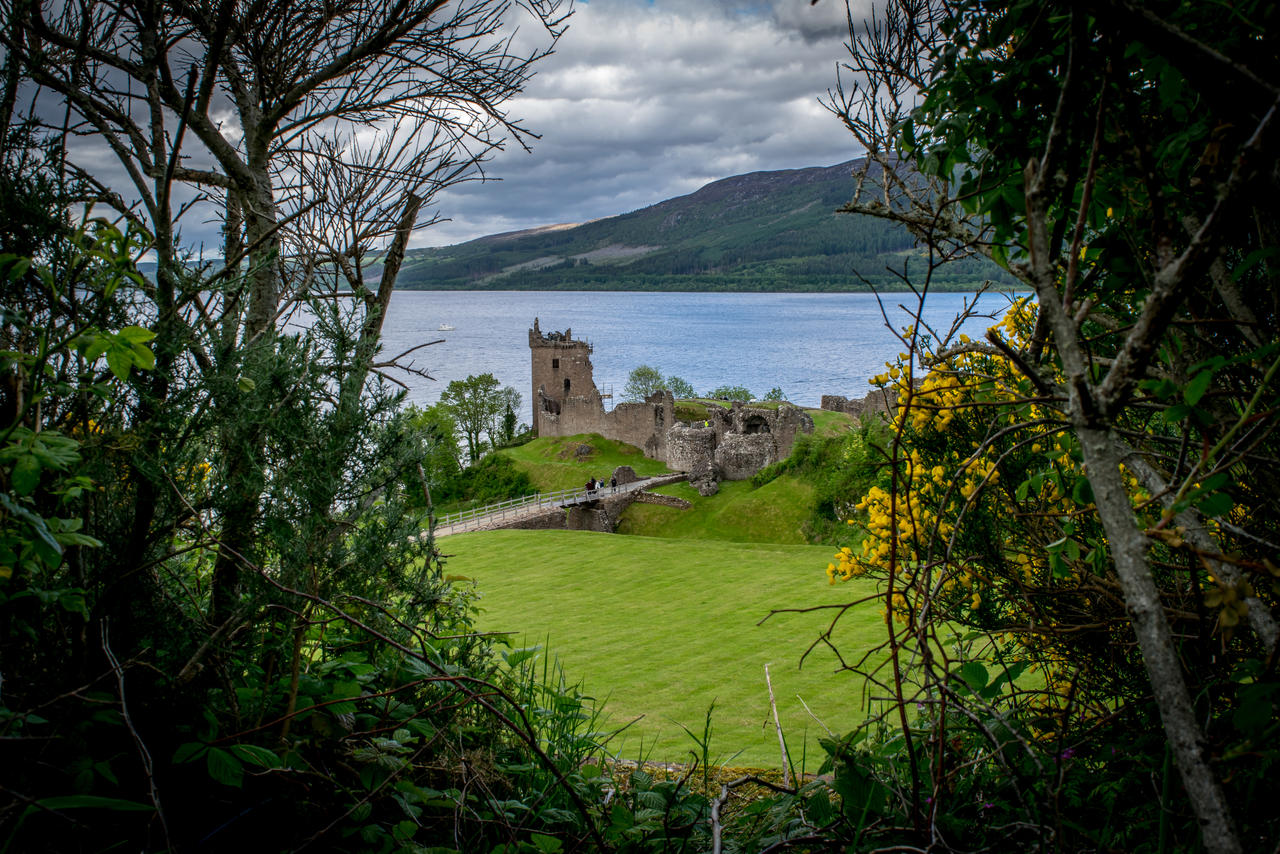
(1081, 493)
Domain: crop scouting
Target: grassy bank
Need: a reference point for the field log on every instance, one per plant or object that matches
(567, 461)
(671, 626)
(774, 513)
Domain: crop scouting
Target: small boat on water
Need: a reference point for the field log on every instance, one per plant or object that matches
(444, 327)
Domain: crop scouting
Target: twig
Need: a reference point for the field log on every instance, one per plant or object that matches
(137, 739)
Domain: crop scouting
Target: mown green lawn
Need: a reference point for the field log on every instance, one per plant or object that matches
(661, 628)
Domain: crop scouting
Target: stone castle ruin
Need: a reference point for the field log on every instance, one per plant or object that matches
(727, 444)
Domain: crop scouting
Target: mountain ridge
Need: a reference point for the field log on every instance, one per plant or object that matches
(759, 231)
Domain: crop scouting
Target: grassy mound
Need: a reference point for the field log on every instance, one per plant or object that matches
(774, 513)
(567, 461)
(671, 626)
(831, 423)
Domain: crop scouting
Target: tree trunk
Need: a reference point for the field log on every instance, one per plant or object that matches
(1146, 615)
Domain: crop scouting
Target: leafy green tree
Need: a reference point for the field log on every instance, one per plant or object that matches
(643, 381)
(264, 597)
(440, 430)
(680, 389)
(509, 422)
(478, 405)
(1041, 490)
(775, 393)
(503, 428)
(731, 392)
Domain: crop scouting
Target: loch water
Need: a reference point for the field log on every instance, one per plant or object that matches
(806, 344)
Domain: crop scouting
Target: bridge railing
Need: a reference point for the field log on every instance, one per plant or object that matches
(505, 509)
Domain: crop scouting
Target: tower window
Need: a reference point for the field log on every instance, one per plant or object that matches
(566, 385)
(555, 364)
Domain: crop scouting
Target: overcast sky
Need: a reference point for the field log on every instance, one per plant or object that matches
(644, 101)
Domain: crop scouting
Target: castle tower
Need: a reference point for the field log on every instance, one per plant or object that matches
(562, 373)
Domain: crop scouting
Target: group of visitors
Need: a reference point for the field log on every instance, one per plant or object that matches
(593, 485)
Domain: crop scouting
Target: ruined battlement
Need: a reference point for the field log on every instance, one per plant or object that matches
(730, 444)
(559, 340)
(562, 379)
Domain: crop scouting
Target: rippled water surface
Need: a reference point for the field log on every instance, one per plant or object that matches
(806, 344)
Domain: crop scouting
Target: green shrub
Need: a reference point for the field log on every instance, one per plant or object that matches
(494, 478)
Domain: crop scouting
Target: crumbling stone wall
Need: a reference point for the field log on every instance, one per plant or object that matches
(729, 444)
(567, 402)
(691, 447)
(741, 455)
(662, 500)
(883, 401)
(552, 520)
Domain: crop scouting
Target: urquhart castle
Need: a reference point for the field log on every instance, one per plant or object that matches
(725, 444)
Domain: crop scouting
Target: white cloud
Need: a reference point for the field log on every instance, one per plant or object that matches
(645, 101)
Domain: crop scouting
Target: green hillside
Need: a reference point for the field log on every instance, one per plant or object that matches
(765, 231)
(565, 462)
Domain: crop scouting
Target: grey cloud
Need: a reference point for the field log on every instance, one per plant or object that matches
(644, 101)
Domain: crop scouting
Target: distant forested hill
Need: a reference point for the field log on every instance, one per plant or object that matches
(766, 231)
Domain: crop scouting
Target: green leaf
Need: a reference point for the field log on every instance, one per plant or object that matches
(15, 267)
(1196, 388)
(546, 844)
(1000, 255)
(136, 334)
(187, 752)
(517, 657)
(26, 474)
(973, 674)
(819, 807)
(119, 361)
(143, 357)
(93, 345)
(256, 755)
(1217, 504)
(1082, 491)
(69, 802)
(1255, 710)
(1058, 566)
(224, 767)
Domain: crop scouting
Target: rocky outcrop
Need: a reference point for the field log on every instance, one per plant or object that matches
(706, 484)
